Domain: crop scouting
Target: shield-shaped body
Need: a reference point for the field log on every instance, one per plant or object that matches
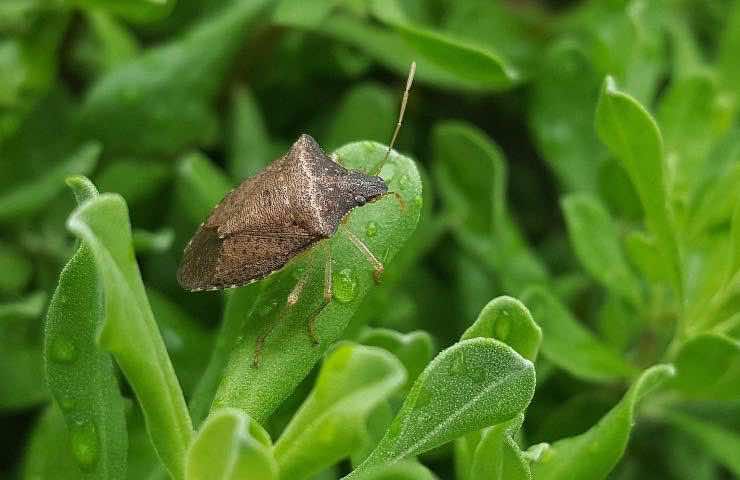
(268, 219)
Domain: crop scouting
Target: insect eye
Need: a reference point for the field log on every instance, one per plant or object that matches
(360, 199)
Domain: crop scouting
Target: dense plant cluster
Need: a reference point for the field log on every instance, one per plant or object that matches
(562, 285)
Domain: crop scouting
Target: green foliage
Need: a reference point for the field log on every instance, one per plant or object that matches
(560, 247)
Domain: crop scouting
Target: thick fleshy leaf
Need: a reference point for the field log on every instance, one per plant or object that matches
(21, 363)
(508, 320)
(16, 267)
(471, 385)
(330, 424)
(81, 377)
(27, 199)
(632, 136)
(497, 455)
(720, 442)
(289, 353)
(249, 144)
(571, 346)
(708, 367)
(414, 349)
(405, 470)
(103, 224)
(561, 114)
(593, 454)
(48, 455)
(368, 111)
(464, 59)
(691, 101)
(595, 239)
(162, 99)
(474, 192)
(231, 446)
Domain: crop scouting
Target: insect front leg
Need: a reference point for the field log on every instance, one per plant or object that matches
(360, 245)
(328, 297)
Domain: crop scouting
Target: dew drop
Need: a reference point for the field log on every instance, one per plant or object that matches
(63, 351)
(345, 286)
(371, 230)
(84, 440)
(418, 201)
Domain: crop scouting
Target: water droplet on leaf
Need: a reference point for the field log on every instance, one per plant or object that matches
(345, 286)
(372, 229)
(502, 328)
(84, 440)
(63, 350)
(403, 182)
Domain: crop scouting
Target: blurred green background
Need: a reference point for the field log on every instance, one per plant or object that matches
(166, 102)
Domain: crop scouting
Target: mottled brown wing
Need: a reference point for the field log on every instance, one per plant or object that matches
(211, 263)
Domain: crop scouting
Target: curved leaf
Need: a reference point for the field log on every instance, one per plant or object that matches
(103, 224)
(508, 320)
(330, 424)
(708, 367)
(80, 376)
(27, 199)
(631, 135)
(497, 455)
(231, 446)
(593, 454)
(569, 345)
(473, 384)
(289, 353)
(414, 349)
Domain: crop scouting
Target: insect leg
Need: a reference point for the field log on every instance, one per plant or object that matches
(292, 299)
(328, 296)
(360, 245)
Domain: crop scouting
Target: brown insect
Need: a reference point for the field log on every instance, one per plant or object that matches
(299, 200)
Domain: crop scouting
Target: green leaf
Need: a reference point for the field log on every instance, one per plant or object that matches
(21, 364)
(368, 111)
(643, 253)
(188, 343)
(631, 135)
(16, 267)
(297, 13)
(390, 49)
(497, 455)
(200, 185)
(27, 199)
(109, 44)
(289, 353)
(331, 423)
(134, 10)
(405, 470)
(474, 192)
(162, 99)
(595, 240)
(153, 242)
(240, 304)
(135, 180)
(508, 320)
(708, 367)
(561, 115)
(690, 101)
(464, 59)
(473, 384)
(593, 454)
(727, 62)
(714, 204)
(48, 455)
(569, 345)
(719, 442)
(80, 376)
(413, 349)
(103, 224)
(231, 446)
(249, 143)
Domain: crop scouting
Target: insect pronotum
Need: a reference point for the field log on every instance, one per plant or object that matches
(296, 202)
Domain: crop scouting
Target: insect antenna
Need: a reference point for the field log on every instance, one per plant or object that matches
(412, 71)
